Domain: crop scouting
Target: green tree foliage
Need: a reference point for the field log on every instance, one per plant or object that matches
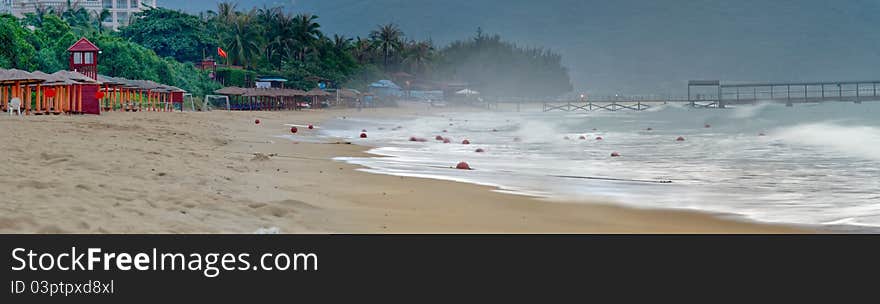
(17, 51)
(45, 48)
(271, 41)
(501, 68)
(170, 33)
(389, 39)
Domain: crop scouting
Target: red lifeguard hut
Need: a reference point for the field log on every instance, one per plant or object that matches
(84, 59)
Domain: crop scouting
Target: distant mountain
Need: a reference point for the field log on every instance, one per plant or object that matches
(638, 47)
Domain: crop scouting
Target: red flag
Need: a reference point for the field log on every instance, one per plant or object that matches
(221, 52)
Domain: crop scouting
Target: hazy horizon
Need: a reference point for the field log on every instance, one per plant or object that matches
(634, 47)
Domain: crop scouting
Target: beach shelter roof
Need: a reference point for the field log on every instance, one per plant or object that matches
(260, 93)
(53, 79)
(113, 81)
(349, 93)
(83, 45)
(293, 92)
(127, 83)
(230, 91)
(74, 76)
(22, 77)
(467, 92)
(171, 88)
(316, 92)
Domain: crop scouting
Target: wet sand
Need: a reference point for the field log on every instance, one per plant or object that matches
(218, 172)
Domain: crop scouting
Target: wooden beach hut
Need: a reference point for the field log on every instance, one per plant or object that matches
(111, 89)
(50, 98)
(81, 91)
(261, 99)
(234, 94)
(17, 84)
(317, 95)
(290, 98)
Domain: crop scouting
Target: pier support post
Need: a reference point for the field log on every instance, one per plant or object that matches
(788, 97)
(858, 94)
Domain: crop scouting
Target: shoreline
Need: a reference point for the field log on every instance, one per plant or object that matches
(199, 173)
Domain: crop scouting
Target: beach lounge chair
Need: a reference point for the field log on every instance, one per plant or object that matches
(15, 105)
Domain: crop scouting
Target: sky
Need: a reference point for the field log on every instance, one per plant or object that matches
(636, 47)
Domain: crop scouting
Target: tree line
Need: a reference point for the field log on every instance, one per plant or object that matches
(161, 44)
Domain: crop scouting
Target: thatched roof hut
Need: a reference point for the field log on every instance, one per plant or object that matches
(231, 91)
(13, 76)
(317, 92)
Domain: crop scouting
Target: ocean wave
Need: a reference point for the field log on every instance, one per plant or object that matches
(854, 141)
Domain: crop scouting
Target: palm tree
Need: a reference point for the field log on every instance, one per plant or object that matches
(281, 42)
(243, 40)
(388, 39)
(418, 56)
(305, 31)
(362, 50)
(341, 43)
(226, 12)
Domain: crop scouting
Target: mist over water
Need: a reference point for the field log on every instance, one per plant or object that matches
(816, 164)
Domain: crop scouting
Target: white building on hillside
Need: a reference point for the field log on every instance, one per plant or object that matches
(120, 10)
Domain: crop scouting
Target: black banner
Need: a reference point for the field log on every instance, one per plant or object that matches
(409, 268)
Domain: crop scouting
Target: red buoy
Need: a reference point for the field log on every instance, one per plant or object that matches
(463, 166)
(598, 137)
(446, 141)
(679, 138)
(418, 139)
(465, 142)
(293, 130)
(311, 127)
(479, 150)
(438, 137)
(615, 154)
(257, 121)
(582, 137)
(413, 138)
(363, 135)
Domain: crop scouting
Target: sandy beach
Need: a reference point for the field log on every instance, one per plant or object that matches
(218, 172)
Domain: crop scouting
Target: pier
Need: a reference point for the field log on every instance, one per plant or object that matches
(715, 94)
